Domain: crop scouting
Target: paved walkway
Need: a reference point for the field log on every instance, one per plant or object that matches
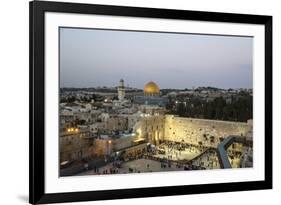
(139, 165)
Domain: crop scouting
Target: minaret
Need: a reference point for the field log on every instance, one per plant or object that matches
(121, 90)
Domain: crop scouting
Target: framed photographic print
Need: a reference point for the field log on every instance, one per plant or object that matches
(139, 102)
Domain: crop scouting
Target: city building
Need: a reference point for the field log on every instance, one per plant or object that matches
(121, 90)
(105, 126)
(151, 96)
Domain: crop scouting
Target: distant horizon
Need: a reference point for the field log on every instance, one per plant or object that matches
(160, 87)
(93, 57)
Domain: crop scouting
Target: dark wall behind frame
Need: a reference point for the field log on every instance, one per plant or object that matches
(37, 10)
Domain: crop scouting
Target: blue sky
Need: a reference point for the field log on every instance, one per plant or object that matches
(91, 58)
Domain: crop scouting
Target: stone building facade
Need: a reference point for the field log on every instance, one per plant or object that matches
(75, 145)
(151, 128)
(202, 131)
(189, 130)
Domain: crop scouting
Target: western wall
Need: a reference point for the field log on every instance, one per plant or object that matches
(208, 132)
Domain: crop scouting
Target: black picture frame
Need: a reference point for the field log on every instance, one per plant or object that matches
(37, 9)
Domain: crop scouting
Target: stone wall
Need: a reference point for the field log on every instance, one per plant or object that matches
(102, 147)
(151, 128)
(193, 131)
(75, 146)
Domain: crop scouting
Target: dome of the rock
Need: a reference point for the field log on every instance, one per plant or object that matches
(151, 88)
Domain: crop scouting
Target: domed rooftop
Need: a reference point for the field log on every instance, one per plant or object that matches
(151, 88)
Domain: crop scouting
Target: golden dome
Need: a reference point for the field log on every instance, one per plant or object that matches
(151, 88)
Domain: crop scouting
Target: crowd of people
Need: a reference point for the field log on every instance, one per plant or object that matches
(208, 160)
(239, 155)
(170, 156)
(178, 151)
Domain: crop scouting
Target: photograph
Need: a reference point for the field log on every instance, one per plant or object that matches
(135, 101)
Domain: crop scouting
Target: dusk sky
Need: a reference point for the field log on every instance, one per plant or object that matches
(91, 58)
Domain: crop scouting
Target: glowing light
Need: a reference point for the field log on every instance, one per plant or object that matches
(109, 142)
(76, 130)
(138, 132)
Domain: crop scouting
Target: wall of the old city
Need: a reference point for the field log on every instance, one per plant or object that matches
(151, 128)
(191, 130)
(75, 146)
